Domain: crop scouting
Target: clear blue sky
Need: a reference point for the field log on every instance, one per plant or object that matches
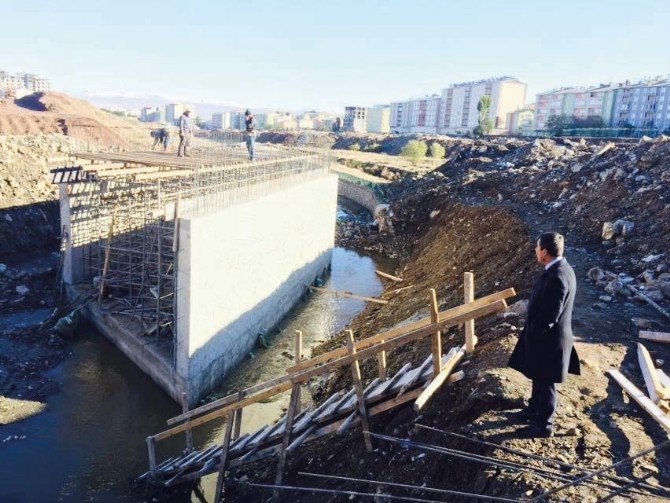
(315, 54)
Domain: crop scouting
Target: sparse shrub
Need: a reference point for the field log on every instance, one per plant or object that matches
(437, 151)
(415, 150)
(355, 146)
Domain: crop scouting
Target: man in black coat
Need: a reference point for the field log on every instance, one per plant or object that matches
(545, 352)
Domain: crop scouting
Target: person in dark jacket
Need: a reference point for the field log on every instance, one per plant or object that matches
(545, 352)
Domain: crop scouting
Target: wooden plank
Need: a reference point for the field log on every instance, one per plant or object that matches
(663, 377)
(437, 382)
(348, 295)
(392, 382)
(189, 433)
(411, 377)
(224, 455)
(642, 400)
(174, 173)
(389, 276)
(436, 341)
(469, 296)
(655, 336)
(360, 394)
(335, 407)
(381, 365)
(286, 439)
(390, 334)
(340, 362)
(298, 359)
(238, 418)
(455, 377)
(652, 382)
(398, 290)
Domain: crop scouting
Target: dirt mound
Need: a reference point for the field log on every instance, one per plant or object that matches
(61, 114)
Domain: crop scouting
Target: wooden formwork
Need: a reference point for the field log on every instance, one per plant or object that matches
(338, 413)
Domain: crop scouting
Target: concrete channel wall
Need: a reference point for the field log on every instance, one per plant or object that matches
(242, 268)
(359, 194)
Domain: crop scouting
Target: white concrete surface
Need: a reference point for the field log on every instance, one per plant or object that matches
(241, 268)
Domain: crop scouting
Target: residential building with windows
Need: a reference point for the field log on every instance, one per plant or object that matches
(174, 110)
(355, 119)
(151, 114)
(521, 121)
(642, 105)
(379, 119)
(26, 83)
(221, 120)
(578, 102)
(459, 114)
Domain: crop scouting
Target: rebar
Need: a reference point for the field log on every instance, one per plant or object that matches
(580, 480)
(343, 492)
(544, 459)
(410, 487)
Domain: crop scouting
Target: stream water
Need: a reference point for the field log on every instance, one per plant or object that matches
(89, 444)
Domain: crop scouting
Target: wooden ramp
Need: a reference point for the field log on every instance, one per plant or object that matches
(335, 415)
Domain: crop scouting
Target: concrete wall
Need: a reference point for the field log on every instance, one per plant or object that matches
(241, 268)
(359, 194)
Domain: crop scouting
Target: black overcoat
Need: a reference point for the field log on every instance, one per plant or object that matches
(545, 350)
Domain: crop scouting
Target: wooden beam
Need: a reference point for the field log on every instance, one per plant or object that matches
(437, 382)
(348, 295)
(370, 350)
(390, 334)
(238, 418)
(398, 290)
(298, 358)
(642, 400)
(651, 380)
(189, 433)
(655, 336)
(388, 276)
(381, 365)
(360, 393)
(105, 266)
(286, 437)
(664, 378)
(224, 457)
(436, 341)
(469, 296)
(164, 174)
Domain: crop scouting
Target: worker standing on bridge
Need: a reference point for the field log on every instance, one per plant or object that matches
(250, 133)
(185, 133)
(545, 352)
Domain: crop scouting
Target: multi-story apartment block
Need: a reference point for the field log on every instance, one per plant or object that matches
(151, 114)
(521, 121)
(379, 119)
(221, 120)
(578, 102)
(355, 119)
(174, 110)
(459, 112)
(642, 105)
(23, 81)
(419, 115)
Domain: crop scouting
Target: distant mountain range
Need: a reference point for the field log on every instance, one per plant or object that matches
(130, 101)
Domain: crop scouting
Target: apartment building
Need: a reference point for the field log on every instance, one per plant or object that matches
(221, 120)
(578, 102)
(152, 114)
(459, 114)
(174, 110)
(642, 105)
(521, 121)
(26, 82)
(355, 119)
(379, 119)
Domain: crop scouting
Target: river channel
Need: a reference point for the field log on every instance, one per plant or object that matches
(89, 444)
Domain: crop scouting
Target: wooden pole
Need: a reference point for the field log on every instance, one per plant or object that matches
(286, 438)
(360, 394)
(105, 266)
(298, 358)
(151, 447)
(642, 400)
(437, 337)
(381, 364)
(224, 456)
(238, 418)
(437, 382)
(348, 295)
(189, 433)
(469, 296)
(388, 276)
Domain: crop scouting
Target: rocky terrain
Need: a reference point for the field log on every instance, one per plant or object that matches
(480, 211)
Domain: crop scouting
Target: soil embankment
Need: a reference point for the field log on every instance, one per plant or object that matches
(480, 211)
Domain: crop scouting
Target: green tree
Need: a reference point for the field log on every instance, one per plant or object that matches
(484, 125)
(557, 123)
(437, 151)
(415, 150)
(354, 146)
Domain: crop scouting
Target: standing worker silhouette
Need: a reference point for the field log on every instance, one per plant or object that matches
(250, 133)
(185, 133)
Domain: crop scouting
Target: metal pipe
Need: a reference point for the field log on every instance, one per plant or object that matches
(413, 488)
(544, 459)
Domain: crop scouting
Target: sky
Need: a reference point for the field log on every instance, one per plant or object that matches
(296, 54)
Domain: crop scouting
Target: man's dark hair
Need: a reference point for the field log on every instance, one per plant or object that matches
(552, 242)
(247, 112)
